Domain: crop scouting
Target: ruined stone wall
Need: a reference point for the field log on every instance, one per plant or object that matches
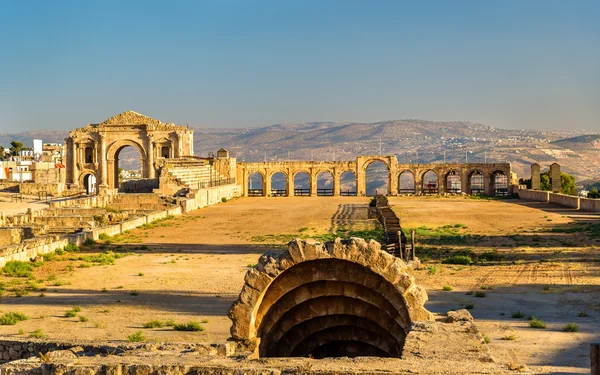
(571, 201)
(33, 188)
(534, 195)
(208, 196)
(10, 236)
(565, 200)
(589, 204)
(144, 185)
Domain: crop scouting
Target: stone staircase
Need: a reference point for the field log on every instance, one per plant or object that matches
(192, 174)
(395, 244)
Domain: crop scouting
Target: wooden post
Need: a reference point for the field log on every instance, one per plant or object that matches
(595, 358)
(412, 242)
(400, 247)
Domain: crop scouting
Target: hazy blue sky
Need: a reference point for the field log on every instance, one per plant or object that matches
(513, 64)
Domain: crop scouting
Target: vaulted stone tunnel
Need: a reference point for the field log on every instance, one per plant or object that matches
(341, 298)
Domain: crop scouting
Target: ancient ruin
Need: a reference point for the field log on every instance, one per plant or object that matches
(341, 298)
(473, 178)
(93, 151)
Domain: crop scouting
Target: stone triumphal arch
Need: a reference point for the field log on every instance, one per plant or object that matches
(93, 151)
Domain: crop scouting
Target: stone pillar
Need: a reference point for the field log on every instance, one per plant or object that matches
(361, 182)
(74, 151)
(535, 176)
(442, 181)
(465, 183)
(488, 184)
(337, 182)
(150, 159)
(555, 177)
(418, 181)
(314, 176)
(267, 184)
(103, 162)
(290, 182)
(179, 145)
(393, 177)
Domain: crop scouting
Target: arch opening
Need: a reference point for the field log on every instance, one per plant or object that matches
(302, 184)
(500, 183)
(128, 166)
(89, 183)
(453, 182)
(476, 183)
(348, 184)
(377, 177)
(320, 308)
(430, 183)
(279, 184)
(406, 183)
(325, 184)
(255, 185)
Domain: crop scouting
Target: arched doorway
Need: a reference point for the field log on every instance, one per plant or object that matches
(278, 184)
(453, 182)
(406, 183)
(476, 183)
(255, 185)
(348, 184)
(325, 184)
(302, 184)
(128, 167)
(377, 177)
(500, 183)
(89, 184)
(430, 183)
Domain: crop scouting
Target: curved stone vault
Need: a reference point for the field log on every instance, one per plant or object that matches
(340, 298)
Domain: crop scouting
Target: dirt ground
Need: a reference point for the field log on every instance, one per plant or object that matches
(192, 268)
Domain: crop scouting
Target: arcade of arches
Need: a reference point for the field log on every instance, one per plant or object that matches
(341, 298)
(313, 178)
(93, 151)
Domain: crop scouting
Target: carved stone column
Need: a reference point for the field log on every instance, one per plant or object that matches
(465, 184)
(488, 183)
(150, 157)
(75, 150)
(103, 162)
(267, 184)
(535, 177)
(290, 182)
(314, 176)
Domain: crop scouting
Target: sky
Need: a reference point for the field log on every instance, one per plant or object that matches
(511, 64)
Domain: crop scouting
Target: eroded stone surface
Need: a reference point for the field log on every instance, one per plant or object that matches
(312, 281)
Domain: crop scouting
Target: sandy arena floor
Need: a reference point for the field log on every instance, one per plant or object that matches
(192, 268)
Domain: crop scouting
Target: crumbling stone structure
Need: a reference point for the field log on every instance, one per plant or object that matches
(471, 178)
(93, 151)
(555, 182)
(535, 177)
(340, 298)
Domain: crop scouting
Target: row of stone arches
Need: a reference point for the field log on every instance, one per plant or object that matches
(427, 182)
(302, 184)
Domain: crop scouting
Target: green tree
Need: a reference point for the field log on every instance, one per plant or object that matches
(594, 193)
(545, 181)
(16, 147)
(567, 184)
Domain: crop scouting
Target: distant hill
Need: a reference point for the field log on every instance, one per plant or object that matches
(589, 140)
(577, 152)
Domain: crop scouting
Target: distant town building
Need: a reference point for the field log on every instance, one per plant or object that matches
(52, 153)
